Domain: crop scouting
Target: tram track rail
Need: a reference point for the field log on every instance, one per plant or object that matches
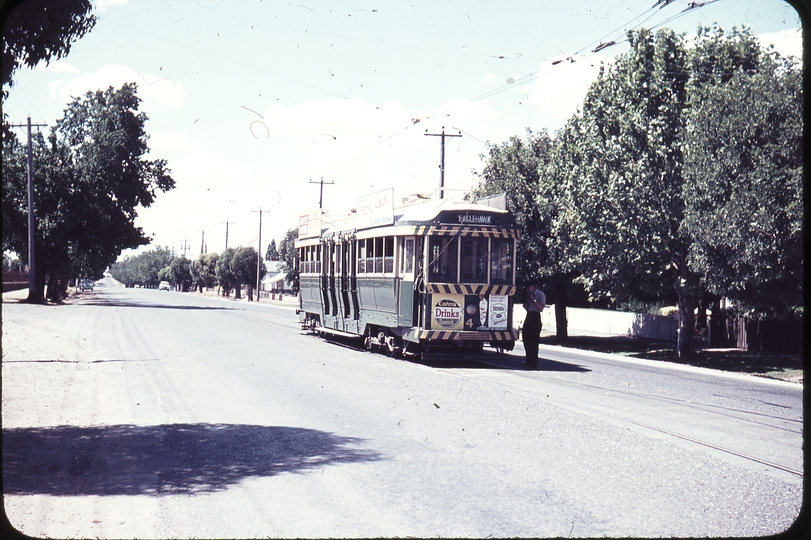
(683, 437)
(793, 426)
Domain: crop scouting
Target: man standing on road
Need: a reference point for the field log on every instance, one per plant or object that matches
(534, 303)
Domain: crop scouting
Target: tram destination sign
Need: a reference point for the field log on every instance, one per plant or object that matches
(456, 217)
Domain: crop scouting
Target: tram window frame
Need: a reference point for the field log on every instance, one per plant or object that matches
(388, 255)
(443, 259)
(378, 255)
(406, 249)
(473, 258)
(361, 256)
(502, 261)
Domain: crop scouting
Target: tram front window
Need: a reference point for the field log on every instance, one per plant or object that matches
(442, 260)
(501, 261)
(474, 260)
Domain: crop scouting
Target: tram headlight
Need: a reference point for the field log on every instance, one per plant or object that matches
(471, 309)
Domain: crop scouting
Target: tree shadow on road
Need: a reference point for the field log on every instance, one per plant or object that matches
(164, 459)
(112, 301)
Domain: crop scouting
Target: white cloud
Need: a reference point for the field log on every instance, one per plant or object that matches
(787, 42)
(58, 66)
(175, 141)
(104, 5)
(157, 93)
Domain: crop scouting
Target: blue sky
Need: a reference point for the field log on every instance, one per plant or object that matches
(250, 101)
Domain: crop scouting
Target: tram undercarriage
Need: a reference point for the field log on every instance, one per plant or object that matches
(386, 341)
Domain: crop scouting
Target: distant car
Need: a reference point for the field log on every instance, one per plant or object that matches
(86, 285)
(164, 286)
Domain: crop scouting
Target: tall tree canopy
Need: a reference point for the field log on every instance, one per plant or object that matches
(272, 254)
(289, 258)
(244, 266)
(203, 271)
(89, 180)
(680, 176)
(142, 269)
(37, 30)
(743, 188)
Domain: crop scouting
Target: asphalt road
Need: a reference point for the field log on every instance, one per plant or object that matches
(143, 413)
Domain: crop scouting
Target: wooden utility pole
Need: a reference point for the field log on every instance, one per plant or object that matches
(259, 251)
(226, 231)
(321, 196)
(32, 283)
(441, 157)
(203, 248)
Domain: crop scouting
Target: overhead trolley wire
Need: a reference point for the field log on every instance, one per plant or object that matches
(600, 45)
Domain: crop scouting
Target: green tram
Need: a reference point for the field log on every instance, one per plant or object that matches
(433, 277)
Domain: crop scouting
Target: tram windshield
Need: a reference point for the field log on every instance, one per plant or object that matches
(480, 260)
(442, 262)
(501, 261)
(474, 260)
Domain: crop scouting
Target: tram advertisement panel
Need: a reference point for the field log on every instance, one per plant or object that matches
(483, 312)
(469, 312)
(446, 311)
(497, 312)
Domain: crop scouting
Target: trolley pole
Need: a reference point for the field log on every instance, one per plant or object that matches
(441, 157)
(32, 283)
(321, 196)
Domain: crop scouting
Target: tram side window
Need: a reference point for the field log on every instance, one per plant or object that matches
(442, 253)
(501, 261)
(407, 256)
(474, 260)
(303, 260)
(361, 256)
(388, 255)
(378, 255)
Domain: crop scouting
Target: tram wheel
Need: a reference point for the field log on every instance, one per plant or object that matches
(394, 346)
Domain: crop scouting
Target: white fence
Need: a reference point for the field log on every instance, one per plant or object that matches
(602, 322)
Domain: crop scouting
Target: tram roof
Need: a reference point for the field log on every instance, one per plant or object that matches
(424, 212)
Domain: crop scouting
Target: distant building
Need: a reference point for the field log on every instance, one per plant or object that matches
(274, 278)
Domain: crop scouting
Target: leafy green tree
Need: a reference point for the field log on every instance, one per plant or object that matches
(743, 186)
(224, 273)
(143, 269)
(165, 274)
(244, 267)
(625, 200)
(668, 175)
(90, 178)
(203, 271)
(289, 258)
(37, 30)
(272, 254)
(180, 273)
